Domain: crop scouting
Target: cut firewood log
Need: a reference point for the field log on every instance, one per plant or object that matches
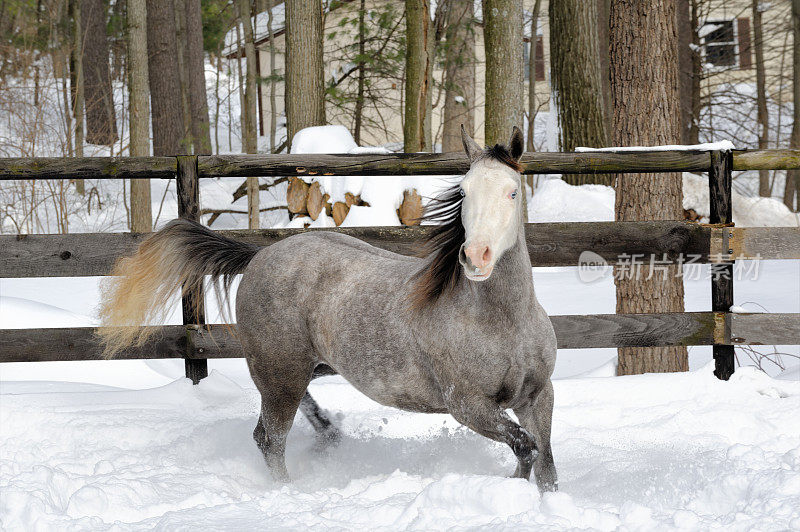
(316, 200)
(297, 196)
(339, 212)
(410, 211)
(350, 199)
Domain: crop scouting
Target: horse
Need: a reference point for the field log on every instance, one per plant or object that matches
(458, 330)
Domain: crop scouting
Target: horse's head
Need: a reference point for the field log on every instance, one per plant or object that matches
(491, 209)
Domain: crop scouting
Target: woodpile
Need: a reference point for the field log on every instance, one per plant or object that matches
(309, 200)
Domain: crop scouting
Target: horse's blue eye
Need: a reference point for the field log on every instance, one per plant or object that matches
(513, 195)
(461, 191)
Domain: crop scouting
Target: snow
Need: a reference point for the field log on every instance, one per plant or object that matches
(680, 451)
(707, 146)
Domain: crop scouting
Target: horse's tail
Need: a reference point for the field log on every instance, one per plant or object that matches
(142, 286)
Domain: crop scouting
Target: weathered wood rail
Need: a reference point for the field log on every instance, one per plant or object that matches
(549, 244)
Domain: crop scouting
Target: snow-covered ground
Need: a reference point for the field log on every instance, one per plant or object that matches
(667, 452)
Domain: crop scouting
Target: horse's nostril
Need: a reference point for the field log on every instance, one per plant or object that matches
(462, 255)
(487, 255)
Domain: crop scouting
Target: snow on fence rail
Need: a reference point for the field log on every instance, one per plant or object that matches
(549, 244)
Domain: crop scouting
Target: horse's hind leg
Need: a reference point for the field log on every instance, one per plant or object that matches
(327, 432)
(537, 417)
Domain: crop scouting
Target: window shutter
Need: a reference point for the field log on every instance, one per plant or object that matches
(539, 60)
(745, 53)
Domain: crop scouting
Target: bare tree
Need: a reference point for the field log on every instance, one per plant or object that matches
(141, 210)
(644, 86)
(76, 83)
(459, 100)
(304, 87)
(791, 191)
(761, 97)
(101, 125)
(195, 69)
(532, 109)
(417, 134)
(273, 121)
(249, 111)
(576, 79)
(165, 88)
(502, 36)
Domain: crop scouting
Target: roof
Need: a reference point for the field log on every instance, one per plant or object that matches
(261, 33)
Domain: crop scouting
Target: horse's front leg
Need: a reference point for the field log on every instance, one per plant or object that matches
(483, 415)
(537, 417)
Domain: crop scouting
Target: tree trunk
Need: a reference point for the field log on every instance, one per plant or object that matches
(195, 68)
(419, 64)
(697, 73)
(305, 88)
(792, 187)
(532, 110)
(459, 96)
(165, 85)
(644, 85)
(502, 36)
(76, 80)
(249, 112)
(141, 210)
(101, 126)
(761, 97)
(181, 63)
(603, 7)
(685, 70)
(577, 85)
(273, 113)
(358, 115)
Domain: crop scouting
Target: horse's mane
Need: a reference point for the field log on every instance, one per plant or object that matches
(442, 270)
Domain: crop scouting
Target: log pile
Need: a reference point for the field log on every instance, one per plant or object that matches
(309, 200)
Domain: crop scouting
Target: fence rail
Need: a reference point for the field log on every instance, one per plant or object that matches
(572, 332)
(549, 244)
(395, 164)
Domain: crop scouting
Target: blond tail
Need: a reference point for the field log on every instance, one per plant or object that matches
(142, 286)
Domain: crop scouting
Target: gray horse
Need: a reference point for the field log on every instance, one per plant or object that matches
(459, 332)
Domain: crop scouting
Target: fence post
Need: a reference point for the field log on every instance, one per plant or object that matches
(192, 299)
(719, 183)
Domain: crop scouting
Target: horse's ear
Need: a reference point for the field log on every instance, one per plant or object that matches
(470, 146)
(516, 144)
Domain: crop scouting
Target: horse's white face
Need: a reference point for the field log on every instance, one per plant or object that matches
(491, 211)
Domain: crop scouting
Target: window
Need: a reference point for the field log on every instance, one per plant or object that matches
(720, 43)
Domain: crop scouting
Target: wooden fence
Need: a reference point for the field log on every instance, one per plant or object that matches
(549, 244)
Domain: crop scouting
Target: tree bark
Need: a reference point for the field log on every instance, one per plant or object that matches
(101, 125)
(603, 7)
(577, 84)
(532, 110)
(195, 68)
(249, 111)
(358, 115)
(459, 96)
(181, 63)
(419, 66)
(141, 210)
(76, 80)
(164, 81)
(792, 187)
(685, 70)
(697, 73)
(761, 97)
(502, 36)
(644, 86)
(273, 113)
(305, 88)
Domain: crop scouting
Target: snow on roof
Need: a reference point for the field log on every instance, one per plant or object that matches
(260, 29)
